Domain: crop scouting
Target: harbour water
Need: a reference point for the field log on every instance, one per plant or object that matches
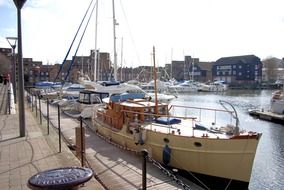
(268, 169)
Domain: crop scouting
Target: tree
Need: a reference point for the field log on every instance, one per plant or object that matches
(270, 68)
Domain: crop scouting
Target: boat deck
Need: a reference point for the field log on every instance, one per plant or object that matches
(184, 129)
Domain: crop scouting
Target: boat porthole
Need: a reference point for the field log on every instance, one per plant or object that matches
(197, 144)
(166, 140)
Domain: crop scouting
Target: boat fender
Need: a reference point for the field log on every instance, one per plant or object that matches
(138, 136)
(166, 155)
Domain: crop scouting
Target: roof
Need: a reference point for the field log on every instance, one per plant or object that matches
(237, 59)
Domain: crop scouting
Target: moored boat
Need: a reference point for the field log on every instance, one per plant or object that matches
(216, 86)
(210, 148)
(83, 106)
(276, 111)
(277, 102)
(186, 86)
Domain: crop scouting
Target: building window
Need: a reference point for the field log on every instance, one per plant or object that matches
(240, 73)
(240, 66)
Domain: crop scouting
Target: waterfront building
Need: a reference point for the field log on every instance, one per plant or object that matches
(243, 70)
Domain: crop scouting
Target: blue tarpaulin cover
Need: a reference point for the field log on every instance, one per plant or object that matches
(167, 120)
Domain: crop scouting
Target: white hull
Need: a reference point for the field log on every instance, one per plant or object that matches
(182, 89)
(212, 88)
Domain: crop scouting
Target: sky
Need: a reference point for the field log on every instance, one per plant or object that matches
(204, 29)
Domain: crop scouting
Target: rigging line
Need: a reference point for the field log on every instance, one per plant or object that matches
(131, 36)
(63, 62)
(73, 59)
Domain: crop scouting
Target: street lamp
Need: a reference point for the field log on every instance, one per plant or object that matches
(13, 43)
(22, 124)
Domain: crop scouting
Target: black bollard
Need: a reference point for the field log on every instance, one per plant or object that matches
(59, 128)
(47, 113)
(144, 166)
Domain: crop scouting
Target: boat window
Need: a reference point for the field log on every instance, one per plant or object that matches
(95, 99)
(84, 98)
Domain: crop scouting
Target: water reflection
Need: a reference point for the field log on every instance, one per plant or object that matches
(268, 169)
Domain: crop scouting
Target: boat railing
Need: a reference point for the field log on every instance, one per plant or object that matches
(157, 115)
(200, 110)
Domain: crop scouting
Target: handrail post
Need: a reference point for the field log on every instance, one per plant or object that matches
(82, 143)
(59, 128)
(40, 113)
(9, 102)
(47, 114)
(36, 105)
(32, 102)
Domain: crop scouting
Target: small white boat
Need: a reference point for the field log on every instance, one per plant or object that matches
(162, 98)
(186, 86)
(162, 87)
(83, 106)
(216, 86)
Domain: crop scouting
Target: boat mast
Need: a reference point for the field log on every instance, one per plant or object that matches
(171, 63)
(184, 62)
(155, 82)
(96, 36)
(114, 43)
(82, 69)
(121, 59)
(192, 70)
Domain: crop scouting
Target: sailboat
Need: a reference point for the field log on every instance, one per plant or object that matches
(207, 148)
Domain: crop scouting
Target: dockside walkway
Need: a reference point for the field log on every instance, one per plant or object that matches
(23, 157)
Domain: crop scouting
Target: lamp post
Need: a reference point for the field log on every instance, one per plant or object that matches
(13, 43)
(22, 124)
